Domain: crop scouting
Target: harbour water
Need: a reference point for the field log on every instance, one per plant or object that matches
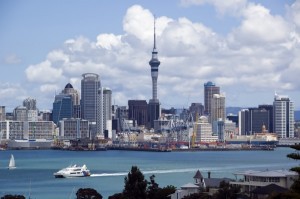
(34, 173)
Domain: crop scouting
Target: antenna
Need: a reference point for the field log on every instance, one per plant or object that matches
(154, 46)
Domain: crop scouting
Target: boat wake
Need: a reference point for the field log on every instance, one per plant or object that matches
(146, 172)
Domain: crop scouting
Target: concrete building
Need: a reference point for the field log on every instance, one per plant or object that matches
(2, 113)
(250, 180)
(90, 85)
(210, 89)
(30, 103)
(20, 113)
(204, 131)
(104, 112)
(18, 130)
(154, 105)
(218, 109)
(73, 128)
(283, 116)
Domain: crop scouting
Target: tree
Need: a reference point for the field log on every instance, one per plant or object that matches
(135, 184)
(88, 193)
(152, 188)
(163, 193)
(117, 196)
(226, 191)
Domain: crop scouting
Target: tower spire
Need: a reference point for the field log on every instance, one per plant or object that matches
(154, 46)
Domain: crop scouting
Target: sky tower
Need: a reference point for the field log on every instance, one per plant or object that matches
(154, 106)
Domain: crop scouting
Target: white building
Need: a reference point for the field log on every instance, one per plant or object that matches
(104, 112)
(74, 128)
(253, 179)
(283, 116)
(204, 131)
(18, 130)
(218, 109)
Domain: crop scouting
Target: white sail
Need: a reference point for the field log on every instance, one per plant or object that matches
(12, 164)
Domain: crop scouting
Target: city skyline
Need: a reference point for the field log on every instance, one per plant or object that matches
(198, 41)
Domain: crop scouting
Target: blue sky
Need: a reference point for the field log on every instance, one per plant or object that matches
(249, 48)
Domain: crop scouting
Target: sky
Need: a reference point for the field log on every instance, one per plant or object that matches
(249, 48)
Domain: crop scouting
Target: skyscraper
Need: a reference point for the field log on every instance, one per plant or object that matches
(218, 109)
(30, 104)
(62, 108)
(90, 85)
(154, 106)
(69, 90)
(104, 112)
(251, 120)
(137, 111)
(283, 116)
(209, 90)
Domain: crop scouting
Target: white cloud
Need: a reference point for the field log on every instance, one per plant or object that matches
(259, 26)
(294, 12)
(43, 72)
(258, 55)
(12, 59)
(232, 7)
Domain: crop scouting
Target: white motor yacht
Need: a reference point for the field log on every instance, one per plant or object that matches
(73, 171)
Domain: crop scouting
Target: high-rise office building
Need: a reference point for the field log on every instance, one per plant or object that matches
(104, 112)
(283, 116)
(30, 104)
(62, 108)
(20, 113)
(32, 112)
(218, 109)
(154, 106)
(138, 111)
(251, 120)
(269, 108)
(69, 90)
(90, 84)
(209, 90)
(2, 113)
(196, 109)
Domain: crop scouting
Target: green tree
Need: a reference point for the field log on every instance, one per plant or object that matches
(163, 193)
(117, 196)
(226, 191)
(135, 184)
(88, 193)
(152, 188)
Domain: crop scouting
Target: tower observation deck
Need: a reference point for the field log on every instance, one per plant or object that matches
(154, 63)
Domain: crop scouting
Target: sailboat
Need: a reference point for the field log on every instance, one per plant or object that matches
(12, 164)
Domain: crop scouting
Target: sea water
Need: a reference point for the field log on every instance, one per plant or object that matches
(34, 178)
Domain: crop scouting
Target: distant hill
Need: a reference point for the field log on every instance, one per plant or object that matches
(235, 111)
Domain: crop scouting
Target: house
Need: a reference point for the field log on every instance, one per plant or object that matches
(266, 191)
(253, 179)
(185, 190)
(208, 185)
